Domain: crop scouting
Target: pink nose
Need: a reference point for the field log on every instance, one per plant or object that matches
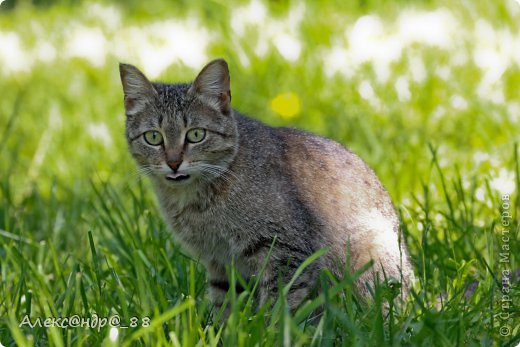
(174, 165)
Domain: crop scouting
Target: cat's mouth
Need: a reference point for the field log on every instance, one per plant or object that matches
(177, 177)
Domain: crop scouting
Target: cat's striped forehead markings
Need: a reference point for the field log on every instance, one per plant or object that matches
(175, 102)
(172, 95)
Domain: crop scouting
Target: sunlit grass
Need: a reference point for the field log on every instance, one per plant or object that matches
(436, 114)
(106, 251)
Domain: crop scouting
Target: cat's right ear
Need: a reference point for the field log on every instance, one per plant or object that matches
(138, 90)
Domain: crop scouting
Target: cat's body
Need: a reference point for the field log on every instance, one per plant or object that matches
(247, 186)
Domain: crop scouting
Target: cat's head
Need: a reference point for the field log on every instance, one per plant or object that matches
(180, 133)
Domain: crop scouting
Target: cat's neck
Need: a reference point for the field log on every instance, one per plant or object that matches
(199, 195)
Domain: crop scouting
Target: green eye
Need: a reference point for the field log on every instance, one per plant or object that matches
(195, 135)
(153, 138)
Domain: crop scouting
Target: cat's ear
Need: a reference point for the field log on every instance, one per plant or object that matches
(213, 85)
(138, 90)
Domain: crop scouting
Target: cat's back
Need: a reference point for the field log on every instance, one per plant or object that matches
(338, 185)
(326, 173)
(333, 176)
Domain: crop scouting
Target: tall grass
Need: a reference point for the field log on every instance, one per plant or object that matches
(108, 253)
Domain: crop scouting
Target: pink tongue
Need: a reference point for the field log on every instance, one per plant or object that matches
(175, 175)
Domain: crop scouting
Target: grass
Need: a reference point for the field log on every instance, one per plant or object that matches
(81, 234)
(124, 262)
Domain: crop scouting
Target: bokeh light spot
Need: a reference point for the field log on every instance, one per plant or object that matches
(286, 105)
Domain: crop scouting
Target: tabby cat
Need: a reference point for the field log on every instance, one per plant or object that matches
(233, 188)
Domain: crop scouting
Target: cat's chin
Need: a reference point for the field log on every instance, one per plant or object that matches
(177, 178)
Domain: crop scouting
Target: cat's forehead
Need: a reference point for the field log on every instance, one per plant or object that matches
(179, 109)
(173, 96)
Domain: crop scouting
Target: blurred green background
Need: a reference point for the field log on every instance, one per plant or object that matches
(425, 91)
(384, 78)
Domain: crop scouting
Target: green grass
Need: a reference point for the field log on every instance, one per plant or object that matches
(81, 234)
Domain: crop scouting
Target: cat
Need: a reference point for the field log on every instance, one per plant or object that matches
(234, 189)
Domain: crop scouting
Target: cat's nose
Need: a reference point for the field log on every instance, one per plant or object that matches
(174, 164)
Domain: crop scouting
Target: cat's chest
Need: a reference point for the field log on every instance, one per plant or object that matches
(206, 233)
(222, 227)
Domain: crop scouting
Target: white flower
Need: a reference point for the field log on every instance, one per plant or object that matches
(504, 183)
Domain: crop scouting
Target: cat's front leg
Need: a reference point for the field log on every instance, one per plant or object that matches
(278, 274)
(218, 286)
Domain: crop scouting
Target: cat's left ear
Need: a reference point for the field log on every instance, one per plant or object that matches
(213, 85)
(138, 90)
